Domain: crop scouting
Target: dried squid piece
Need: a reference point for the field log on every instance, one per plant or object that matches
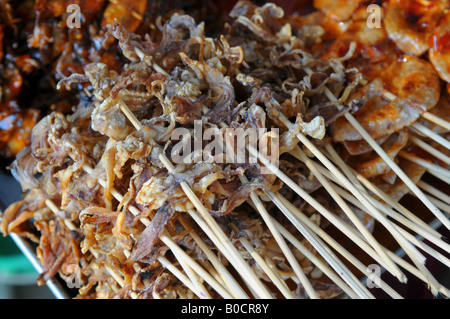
(224, 206)
(129, 42)
(160, 188)
(233, 54)
(149, 237)
(138, 144)
(20, 212)
(222, 92)
(97, 215)
(316, 129)
(56, 248)
(24, 170)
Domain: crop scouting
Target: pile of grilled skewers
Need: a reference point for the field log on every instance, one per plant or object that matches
(359, 114)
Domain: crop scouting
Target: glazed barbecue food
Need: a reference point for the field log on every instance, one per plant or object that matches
(245, 77)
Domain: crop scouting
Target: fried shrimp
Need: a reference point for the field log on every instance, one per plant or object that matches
(416, 86)
(373, 52)
(411, 23)
(439, 53)
(415, 80)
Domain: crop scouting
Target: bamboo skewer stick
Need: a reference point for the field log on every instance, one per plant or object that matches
(405, 178)
(425, 275)
(250, 276)
(436, 120)
(341, 225)
(409, 249)
(324, 251)
(438, 176)
(362, 293)
(434, 191)
(277, 280)
(445, 207)
(312, 166)
(387, 263)
(431, 236)
(335, 245)
(423, 231)
(223, 273)
(186, 281)
(309, 199)
(169, 242)
(430, 279)
(407, 235)
(415, 272)
(415, 256)
(282, 244)
(333, 261)
(393, 203)
(298, 153)
(423, 130)
(195, 287)
(201, 222)
(444, 173)
(209, 267)
(395, 168)
(197, 283)
(420, 274)
(192, 275)
(174, 270)
(272, 273)
(382, 208)
(271, 264)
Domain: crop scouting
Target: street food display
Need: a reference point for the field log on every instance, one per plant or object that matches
(353, 94)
